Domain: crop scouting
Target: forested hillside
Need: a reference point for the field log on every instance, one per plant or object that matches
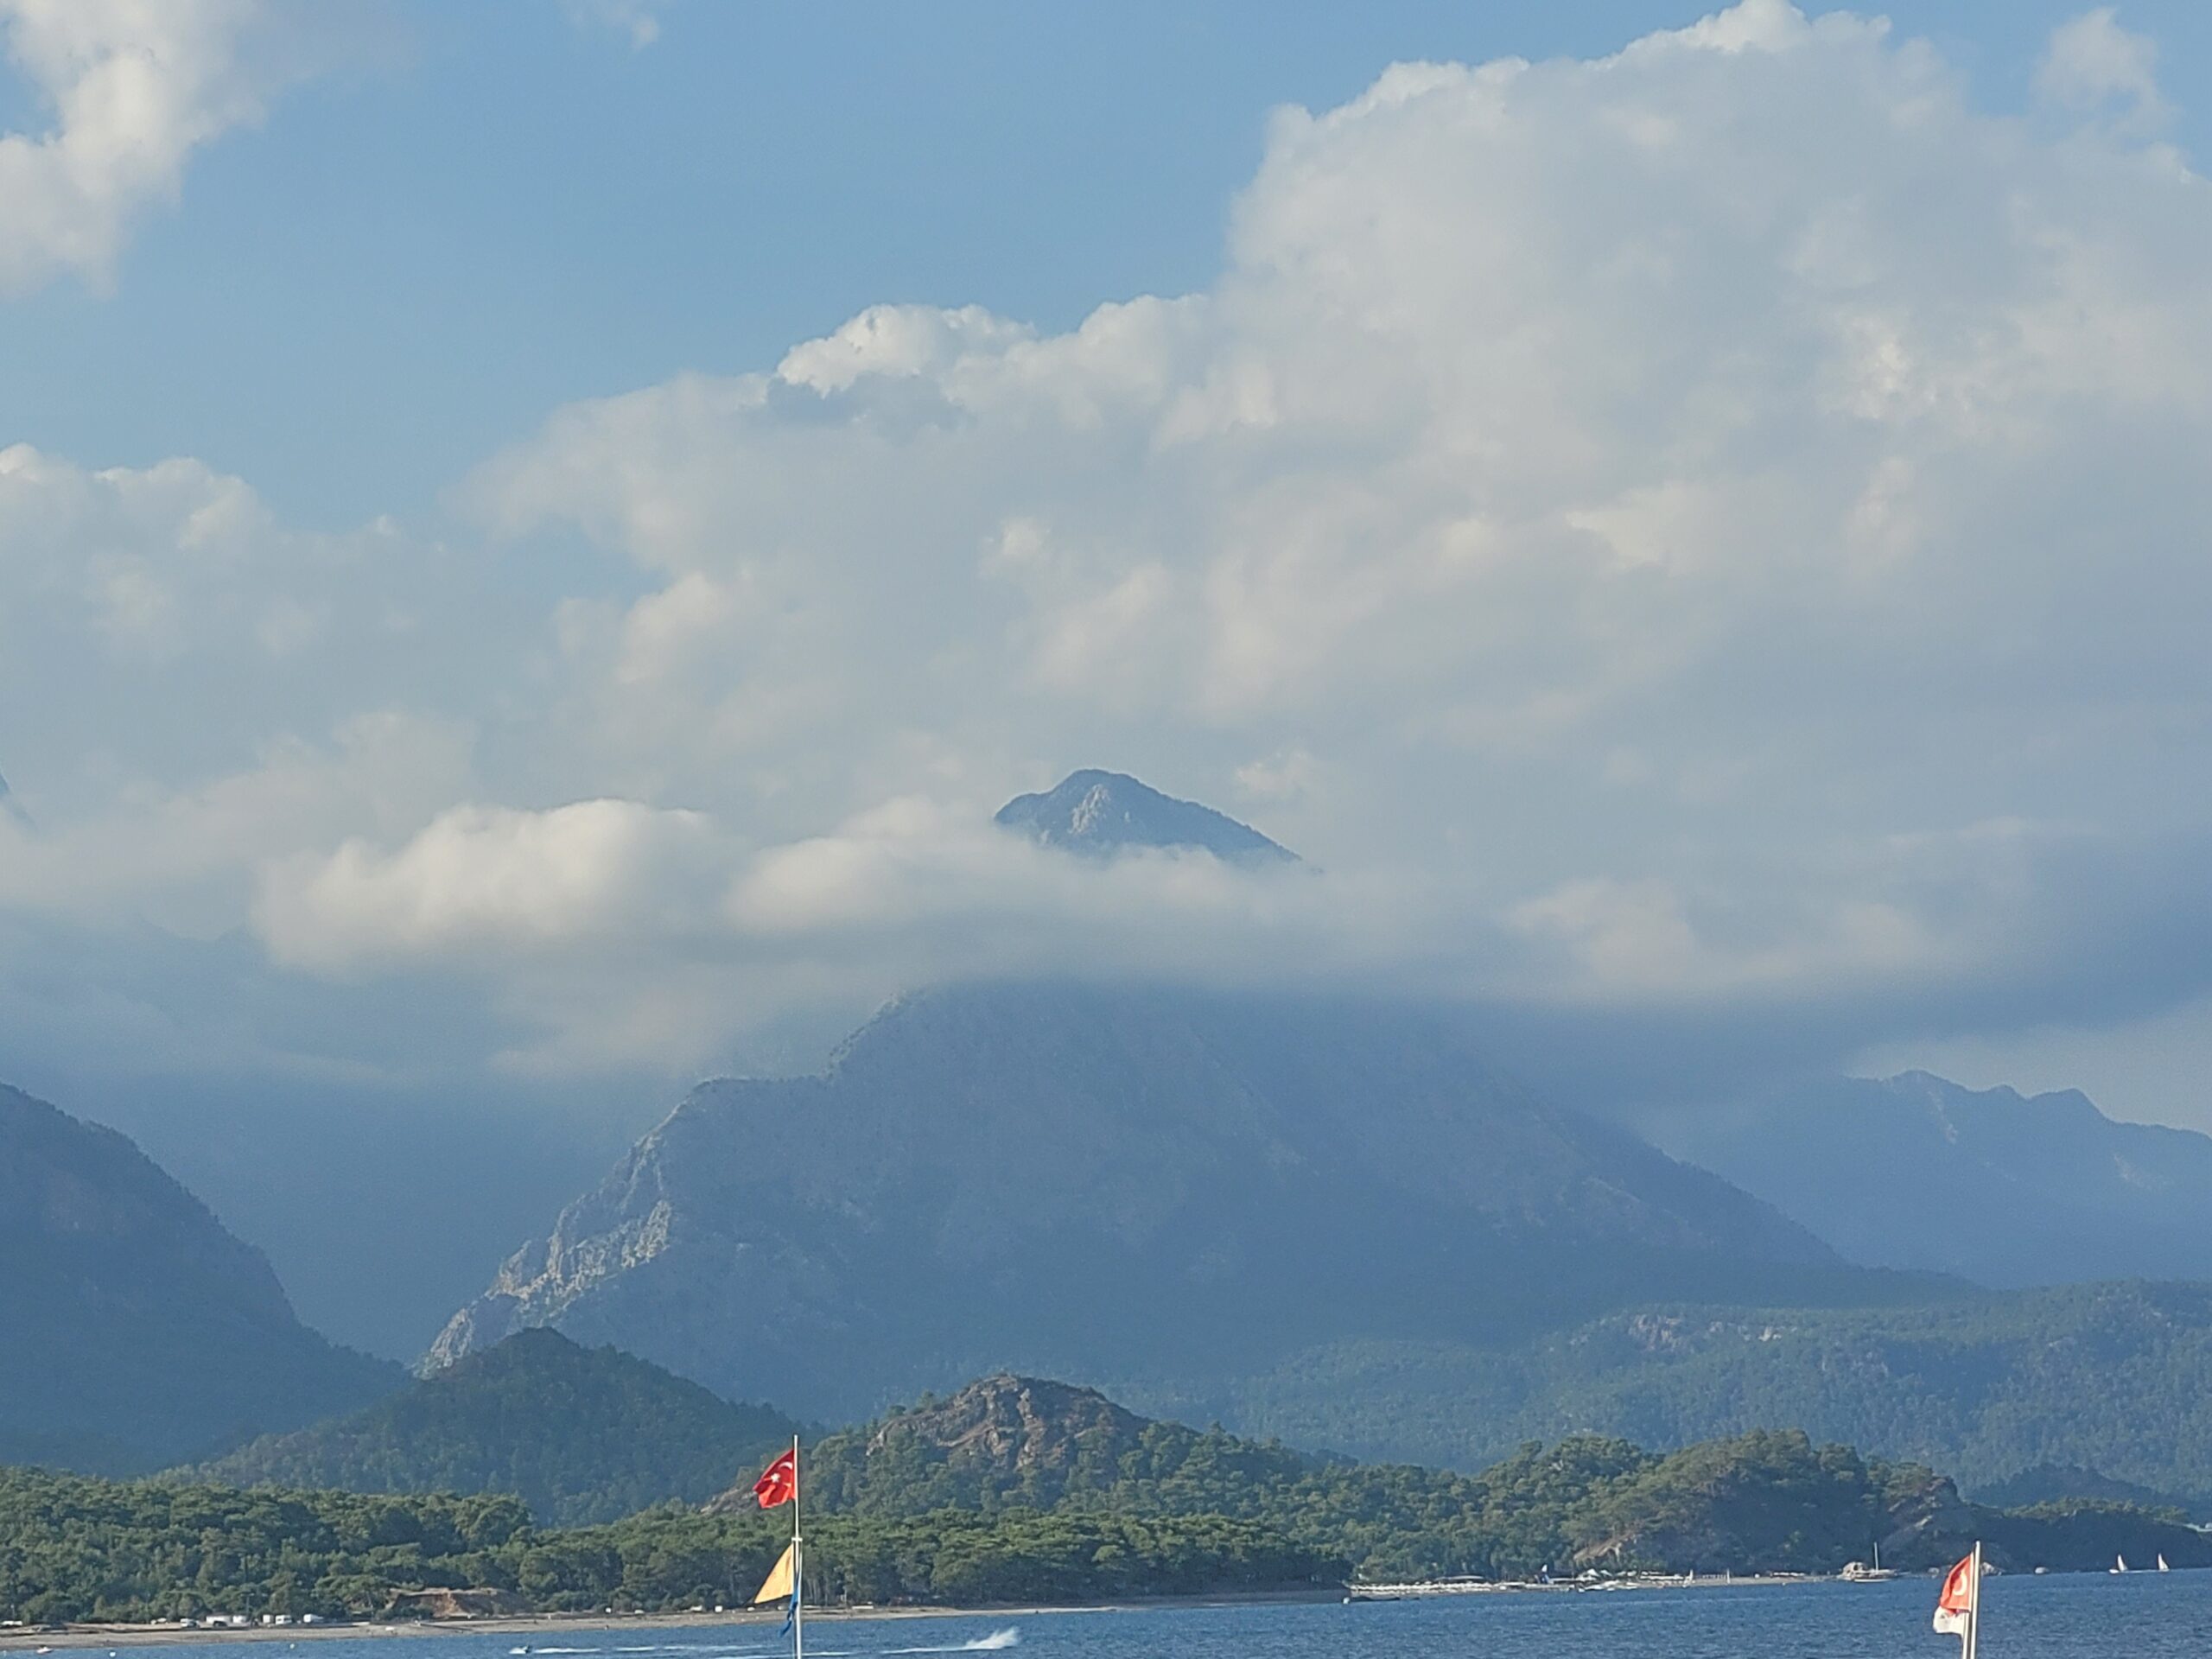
(579, 1435)
(1763, 1501)
(2113, 1379)
(1021, 1490)
(83, 1548)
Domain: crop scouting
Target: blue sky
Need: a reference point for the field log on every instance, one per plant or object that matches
(485, 211)
(534, 538)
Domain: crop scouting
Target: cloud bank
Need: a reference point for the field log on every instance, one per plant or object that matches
(1714, 528)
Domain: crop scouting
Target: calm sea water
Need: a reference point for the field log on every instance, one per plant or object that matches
(2144, 1616)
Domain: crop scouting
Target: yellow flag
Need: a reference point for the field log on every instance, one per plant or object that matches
(779, 1579)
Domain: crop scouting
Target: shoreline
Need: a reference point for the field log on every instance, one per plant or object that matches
(32, 1638)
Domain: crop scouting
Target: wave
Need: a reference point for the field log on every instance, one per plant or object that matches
(996, 1642)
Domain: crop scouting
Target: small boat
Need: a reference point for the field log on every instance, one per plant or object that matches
(2119, 1565)
(2163, 1568)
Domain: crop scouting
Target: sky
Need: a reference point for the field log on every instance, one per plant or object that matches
(533, 539)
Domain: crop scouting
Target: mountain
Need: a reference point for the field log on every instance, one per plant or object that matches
(138, 1330)
(580, 1435)
(2053, 1483)
(1092, 1181)
(1010, 1441)
(1914, 1171)
(1764, 1500)
(2113, 1381)
(1101, 813)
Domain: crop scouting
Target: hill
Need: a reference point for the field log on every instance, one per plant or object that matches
(1017, 1490)
(1762, 1501)
(2011, 1190)
(580, 1435)
(2114, 1379)
(138, 1330)
(1113, 1181)
(1100, 813)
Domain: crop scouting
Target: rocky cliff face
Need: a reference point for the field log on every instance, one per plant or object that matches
(1016, 1426)
(138, 1330)
(1106, 1182)
(1003, 1439)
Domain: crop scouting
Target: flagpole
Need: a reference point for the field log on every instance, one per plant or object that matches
(799, 1567)
(1973, 1604)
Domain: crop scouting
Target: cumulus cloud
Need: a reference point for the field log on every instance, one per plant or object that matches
(1715, 527)
(2093, 63)
(130, 89)
(159, 628)
(1644, 490)
(479, 877)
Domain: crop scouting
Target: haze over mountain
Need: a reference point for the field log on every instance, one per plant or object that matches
(1915, 1171)
(137, 1330)
(582, 1435)
(2113, 1379)
(1087, 1180)
(1104, 812)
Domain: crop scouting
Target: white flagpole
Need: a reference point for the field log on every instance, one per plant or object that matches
(799, 1567)
(1973, 1604)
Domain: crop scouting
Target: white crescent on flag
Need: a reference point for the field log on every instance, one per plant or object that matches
(1954, 1606)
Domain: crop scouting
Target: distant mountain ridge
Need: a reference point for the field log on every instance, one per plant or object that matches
(138, 1329)
(1099, 813)
(2113, 1383)
(580, 1435)
(1088, 1180)
(2008, 1190)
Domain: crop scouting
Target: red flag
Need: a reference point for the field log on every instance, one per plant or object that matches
(778, 1484)
(1954, 1606)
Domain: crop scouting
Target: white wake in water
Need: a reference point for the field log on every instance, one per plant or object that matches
(996, 1641)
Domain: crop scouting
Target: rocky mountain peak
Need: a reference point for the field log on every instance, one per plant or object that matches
(1016, 1424)
(1101, 813)
(1108, 1181)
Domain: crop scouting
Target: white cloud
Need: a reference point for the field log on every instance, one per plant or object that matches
(2092, 62)
(185, 858)
(130, 89)
(480, 878)
(159, 628)
(1635, 524)
(638, 19)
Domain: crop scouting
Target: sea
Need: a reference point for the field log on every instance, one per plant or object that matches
(2142, 1616)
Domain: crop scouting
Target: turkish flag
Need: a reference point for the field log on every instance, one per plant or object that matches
(778, 1484)
(1954, 1606)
